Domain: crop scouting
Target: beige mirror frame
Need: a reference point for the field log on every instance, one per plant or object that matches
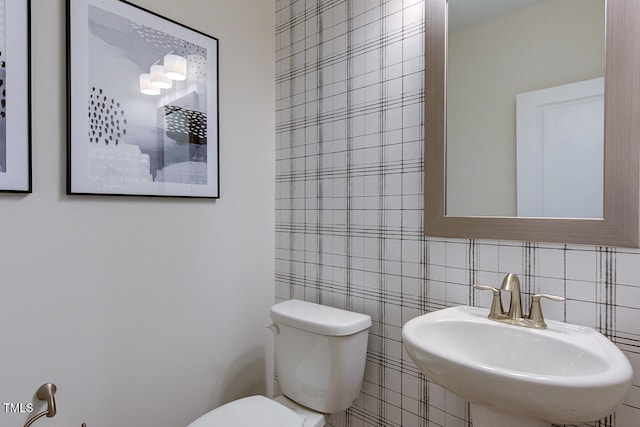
(620, 225)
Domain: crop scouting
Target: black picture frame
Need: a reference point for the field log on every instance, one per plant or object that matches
(15, 97)
(127, 136)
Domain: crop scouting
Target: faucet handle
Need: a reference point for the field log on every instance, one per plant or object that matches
(535, 313)
(496, 304)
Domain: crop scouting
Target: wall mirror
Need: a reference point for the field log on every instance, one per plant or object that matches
(531, 120)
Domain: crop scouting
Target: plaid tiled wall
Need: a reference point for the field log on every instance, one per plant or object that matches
(349, 210)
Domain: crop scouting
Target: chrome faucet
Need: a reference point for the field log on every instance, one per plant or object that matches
(515, 316)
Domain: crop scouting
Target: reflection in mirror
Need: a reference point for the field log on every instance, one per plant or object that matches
(525, 108)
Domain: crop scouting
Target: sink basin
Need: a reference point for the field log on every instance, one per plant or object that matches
(564, 374)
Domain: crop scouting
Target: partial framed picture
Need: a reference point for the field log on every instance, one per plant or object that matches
(142, 103)
(15, 103)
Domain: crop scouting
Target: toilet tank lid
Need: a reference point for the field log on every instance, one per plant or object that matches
(320, 319)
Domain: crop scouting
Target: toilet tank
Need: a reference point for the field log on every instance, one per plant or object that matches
(320, 354)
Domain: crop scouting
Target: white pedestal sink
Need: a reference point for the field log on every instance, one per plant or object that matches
(519, 376)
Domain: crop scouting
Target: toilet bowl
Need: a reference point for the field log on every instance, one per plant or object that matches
(320, 355)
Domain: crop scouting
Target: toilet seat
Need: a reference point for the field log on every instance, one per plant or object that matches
(250, 411)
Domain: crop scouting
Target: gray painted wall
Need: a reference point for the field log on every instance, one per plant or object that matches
(142, 310)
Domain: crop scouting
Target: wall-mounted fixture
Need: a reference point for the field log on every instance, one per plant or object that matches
(620, 222)
(161, 76)
(46, 393)
(514, 376)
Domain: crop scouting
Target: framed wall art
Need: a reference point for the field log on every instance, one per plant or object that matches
(142, 103)
(15, 93)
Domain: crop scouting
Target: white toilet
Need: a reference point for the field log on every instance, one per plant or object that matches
(320, 355)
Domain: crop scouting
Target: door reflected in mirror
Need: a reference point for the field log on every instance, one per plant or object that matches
(525, 108)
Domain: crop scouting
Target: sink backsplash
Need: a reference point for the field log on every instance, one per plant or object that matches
(349, 171)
